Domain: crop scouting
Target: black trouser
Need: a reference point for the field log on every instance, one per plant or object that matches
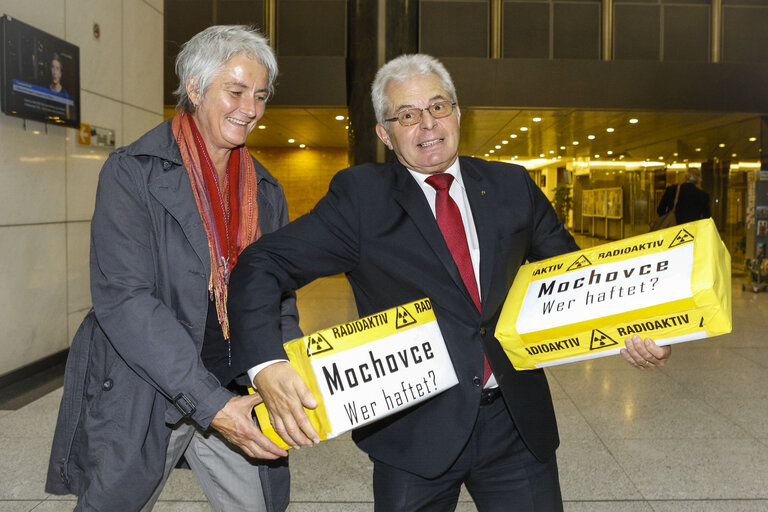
(497, 468)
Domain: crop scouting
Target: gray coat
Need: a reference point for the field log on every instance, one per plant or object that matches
(134, 367)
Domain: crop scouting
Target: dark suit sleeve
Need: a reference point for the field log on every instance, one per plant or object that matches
(321, 243)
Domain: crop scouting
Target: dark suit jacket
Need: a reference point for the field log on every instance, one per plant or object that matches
(693, 203)
(376, 226)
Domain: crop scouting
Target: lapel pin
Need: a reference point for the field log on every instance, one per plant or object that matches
(482, 192)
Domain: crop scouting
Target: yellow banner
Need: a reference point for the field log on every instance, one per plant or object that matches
(671, 285)
(370, 368)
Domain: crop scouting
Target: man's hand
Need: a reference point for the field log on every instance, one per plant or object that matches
(235, 423)
(286, 395)
(645, 354)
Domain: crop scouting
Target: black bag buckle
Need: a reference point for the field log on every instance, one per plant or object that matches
(184, 405)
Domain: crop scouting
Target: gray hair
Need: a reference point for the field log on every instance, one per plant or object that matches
(203, 57)
(401, 69)
(693, 176)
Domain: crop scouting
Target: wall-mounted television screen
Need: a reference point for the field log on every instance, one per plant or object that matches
(39, 75)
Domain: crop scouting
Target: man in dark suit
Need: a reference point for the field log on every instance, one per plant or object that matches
(692, 203)
(398, 237)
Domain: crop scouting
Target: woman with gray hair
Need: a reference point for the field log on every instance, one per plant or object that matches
(151, 376)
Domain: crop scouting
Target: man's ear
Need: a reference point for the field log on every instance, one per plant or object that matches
(383, 135)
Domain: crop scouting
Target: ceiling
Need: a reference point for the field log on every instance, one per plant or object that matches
(314, 127)
(665, 137)
(656, 136)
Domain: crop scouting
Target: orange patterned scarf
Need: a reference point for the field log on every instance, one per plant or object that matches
(230, 213)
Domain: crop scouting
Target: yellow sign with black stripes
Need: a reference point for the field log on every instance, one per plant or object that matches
(671, 285)
(370, 368)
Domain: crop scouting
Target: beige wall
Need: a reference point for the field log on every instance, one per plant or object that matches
(303, 173)
(49, 182)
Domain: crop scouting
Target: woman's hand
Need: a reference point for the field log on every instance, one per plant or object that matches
(236, 424)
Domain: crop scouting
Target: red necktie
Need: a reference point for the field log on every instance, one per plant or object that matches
(452, 227)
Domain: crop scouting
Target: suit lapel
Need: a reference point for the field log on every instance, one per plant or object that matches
(483, 216)
(408, 194)
(174, 191)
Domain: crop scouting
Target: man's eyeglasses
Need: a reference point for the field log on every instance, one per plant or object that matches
(411, 116)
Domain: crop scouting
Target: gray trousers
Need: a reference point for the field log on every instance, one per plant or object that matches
(230, 480)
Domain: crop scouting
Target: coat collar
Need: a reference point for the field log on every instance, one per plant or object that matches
(160, 143)
(168, 182)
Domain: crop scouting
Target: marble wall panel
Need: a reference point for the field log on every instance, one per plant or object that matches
(49, 181)
(156, 5)
(137, 122)
(101, 59)
(32, 171)
(84, 162)
(78, 277)
(33, 302)
(142, 56)
(47, 15)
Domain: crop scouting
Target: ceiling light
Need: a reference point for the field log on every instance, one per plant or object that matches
(536, 119)
(562, 147)
(752, 139)
(497, 146)
(486, 154)
(575, 143)
(633, 121)
(513, 136)
(291, 141)
(505, 142)
(261, 127)
(734, 155)
(597, 156)
(591, 137)
(610, 152)
(492, 151)
(609, 130)
(523, 129)
(722, 145)
(541, 155)
(339, 118)
(302, 146)
(551, 151)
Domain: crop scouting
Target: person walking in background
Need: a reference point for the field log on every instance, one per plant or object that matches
(150, 376)
(431, 224)
(692, 202)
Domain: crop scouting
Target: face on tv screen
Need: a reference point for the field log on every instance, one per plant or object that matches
(40, 75)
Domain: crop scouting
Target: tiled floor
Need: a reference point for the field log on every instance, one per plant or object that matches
(690, 437)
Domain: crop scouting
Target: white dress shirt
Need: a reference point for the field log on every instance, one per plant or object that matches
(459, 195)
